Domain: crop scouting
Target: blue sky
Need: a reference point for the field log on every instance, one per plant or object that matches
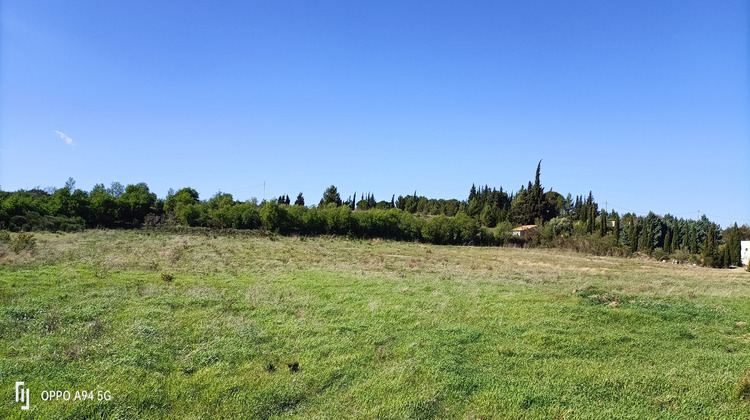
(645, 103)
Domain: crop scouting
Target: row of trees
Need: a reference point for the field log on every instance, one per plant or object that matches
(486, 217)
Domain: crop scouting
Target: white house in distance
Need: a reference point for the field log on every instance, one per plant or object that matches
(745, 253)
(524, 230)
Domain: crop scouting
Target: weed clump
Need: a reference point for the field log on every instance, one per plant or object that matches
(743, 387)
(167, 277)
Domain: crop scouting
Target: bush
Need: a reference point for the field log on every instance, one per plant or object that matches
(23, 241)
(4, 236)
(681, 255)
(592, 244)
(438, 230)
(659, 255)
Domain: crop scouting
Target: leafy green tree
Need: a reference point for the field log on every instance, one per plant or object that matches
(270, 216)
(220, 210)
(116, 189)
(103, 207)
(135, 203)
(183, 197)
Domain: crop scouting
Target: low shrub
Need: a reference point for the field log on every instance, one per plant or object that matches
(23, 241)
(659, 254)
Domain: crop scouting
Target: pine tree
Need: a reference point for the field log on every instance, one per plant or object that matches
(300, 201)
(331, 195)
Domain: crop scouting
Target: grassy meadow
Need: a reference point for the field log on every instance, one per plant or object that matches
(196, 324)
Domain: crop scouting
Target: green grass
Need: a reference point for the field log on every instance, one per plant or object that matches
(378, 329)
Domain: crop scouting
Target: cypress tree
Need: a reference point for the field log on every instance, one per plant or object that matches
(604, 224)
(727, 260)
(616, 227)
(734, 245)
(668, 243)
(633, 235)
(686, 237)
(693, 241)
(709, 252)
(643, 244)
(675, 237)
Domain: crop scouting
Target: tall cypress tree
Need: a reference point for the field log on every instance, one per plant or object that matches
(668, 243)
(686, 237)
(710, 252)
(603, 230)
(616, 226)
(643, 244)
(675, 237)
(727, 259)
(734, 245)
(693, 241)
(633, 235)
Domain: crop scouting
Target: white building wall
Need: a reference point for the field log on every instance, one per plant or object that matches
(745, 246)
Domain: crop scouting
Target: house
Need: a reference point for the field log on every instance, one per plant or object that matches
(745, 252)
(522, 231)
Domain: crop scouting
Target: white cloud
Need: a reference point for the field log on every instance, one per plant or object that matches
(65, 138)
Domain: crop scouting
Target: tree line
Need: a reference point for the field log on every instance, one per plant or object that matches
(487, 217)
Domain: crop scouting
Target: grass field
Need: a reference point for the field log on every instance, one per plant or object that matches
(266, 327)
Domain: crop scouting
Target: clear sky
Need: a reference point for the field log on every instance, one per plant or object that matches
(646, 103)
